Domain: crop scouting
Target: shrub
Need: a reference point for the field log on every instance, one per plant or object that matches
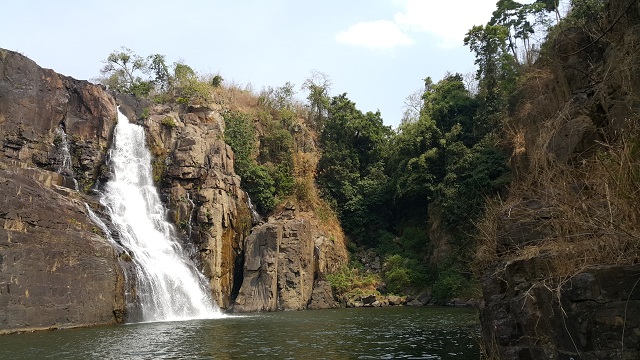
(401, 274)
(216, 81)
(349, 281)
(450, 284)
(168, 122)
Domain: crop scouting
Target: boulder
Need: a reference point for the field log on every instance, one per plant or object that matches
(282, 258)
(397, 300)
(322, 297)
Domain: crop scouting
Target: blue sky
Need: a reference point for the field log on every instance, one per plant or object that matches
(377, 51)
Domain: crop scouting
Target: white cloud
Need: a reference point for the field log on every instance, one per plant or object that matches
(381, 34)
(448, 20)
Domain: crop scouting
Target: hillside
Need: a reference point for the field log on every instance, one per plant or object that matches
(559, 254)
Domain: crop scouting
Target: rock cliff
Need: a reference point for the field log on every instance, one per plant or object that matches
(194, 170)
(58, 269)
(287, 259)
(47, 241)
(560, 271)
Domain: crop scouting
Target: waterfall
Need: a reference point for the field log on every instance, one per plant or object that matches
(255, 217)
(167, 283)
(64, 156)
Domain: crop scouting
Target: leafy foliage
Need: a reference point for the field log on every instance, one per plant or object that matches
(351, 168)
(122, 72)
(349, 281)
(256, 180)
(402, 273)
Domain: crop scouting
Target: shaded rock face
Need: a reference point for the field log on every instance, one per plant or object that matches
(35, 102)
(592, 315)
(588, 99)
(56, 268)
(286, 261)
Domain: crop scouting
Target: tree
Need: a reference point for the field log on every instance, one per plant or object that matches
(412, 107)
(351, 169)
(158, 67)
(522, 20)
(496, 67)
(122, 71)
(318, 86)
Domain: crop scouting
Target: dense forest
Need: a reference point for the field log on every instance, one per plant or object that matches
(409, 200)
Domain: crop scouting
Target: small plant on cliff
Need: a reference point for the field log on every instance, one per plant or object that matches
(145, 113)
(168, 122)
(216, 81)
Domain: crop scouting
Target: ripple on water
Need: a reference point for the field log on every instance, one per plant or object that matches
(388, 333)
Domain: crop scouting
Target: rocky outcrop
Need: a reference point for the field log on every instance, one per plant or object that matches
(35, 102)
(281, 265)
(286, 262)
(591, 315)
(193, 167)
(56, 268)
(561, 279)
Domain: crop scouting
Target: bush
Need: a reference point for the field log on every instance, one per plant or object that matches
(168, 122)
(260, 186)
(450, 284)
(350, 280)
(400, 274)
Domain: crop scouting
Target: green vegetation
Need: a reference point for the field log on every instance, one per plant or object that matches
(126, 72)
(406, 193)
(351, 281)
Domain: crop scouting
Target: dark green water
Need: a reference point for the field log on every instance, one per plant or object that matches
(370, 333)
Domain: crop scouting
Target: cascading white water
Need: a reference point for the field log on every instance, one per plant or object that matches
(255, 217)
(168, 285)
(64, 156)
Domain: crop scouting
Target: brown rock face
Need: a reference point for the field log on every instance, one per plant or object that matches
(194, 168)
(563, 280)
(285, 263)
(56, 268)
(34, 102)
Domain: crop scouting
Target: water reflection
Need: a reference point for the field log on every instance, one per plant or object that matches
(385, 333)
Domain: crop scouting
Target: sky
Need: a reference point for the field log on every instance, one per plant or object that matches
(376, 51)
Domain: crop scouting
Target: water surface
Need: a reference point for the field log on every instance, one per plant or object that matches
(365, 333)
